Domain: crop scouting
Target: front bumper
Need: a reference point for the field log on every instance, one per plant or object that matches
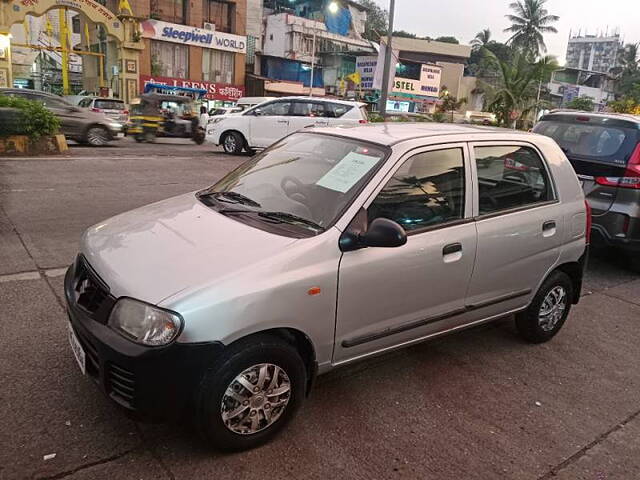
(155, 383)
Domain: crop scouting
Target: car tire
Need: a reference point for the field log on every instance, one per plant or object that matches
(231, 416)
(97, 136)
(139, 138)
(233, 143)
(548, 310)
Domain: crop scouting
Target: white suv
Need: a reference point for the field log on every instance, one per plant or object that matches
(268, 122)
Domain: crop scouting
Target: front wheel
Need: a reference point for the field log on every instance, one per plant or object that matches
(250, 395)
(199, 136)
(548, 311)
(97, 136)
(233, 143)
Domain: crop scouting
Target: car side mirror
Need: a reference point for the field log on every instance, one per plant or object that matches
(257, 112)
(382, 233)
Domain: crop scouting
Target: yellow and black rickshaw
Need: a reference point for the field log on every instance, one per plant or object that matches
(166, 111)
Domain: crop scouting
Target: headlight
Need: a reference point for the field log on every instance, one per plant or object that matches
(144, 323)
(215, 120)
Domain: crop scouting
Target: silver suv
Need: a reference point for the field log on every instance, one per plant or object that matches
(331, 246)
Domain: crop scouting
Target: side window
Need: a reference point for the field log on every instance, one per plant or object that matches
(427, 190)
(510, 177)
(52, 102)
(307, 109)
(336, 110)
(85, 102)
(276, 108)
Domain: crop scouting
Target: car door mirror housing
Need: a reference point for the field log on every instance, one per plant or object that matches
(382, 233)
(257, 112)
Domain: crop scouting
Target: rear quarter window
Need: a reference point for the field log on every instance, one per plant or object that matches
(337, 110)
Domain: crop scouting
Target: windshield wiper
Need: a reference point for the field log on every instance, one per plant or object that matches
(285, 217)
(231, 197)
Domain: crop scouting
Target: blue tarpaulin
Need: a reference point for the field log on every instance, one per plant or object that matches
(339, 22)
(291, 70)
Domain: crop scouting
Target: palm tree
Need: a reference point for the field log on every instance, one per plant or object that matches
(518, 91)
(529, 24)
(481, 39)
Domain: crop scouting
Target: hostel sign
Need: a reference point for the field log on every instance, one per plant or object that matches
(428, 85)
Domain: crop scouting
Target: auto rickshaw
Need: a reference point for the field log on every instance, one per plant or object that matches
(166, 111)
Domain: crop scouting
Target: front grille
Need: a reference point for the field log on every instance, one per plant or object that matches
(121, 385)
(91, 293)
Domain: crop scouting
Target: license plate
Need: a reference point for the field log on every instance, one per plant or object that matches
(120, 134)
(77, 350)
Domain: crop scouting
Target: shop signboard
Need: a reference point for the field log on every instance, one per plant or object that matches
(215, 91)
(428, 85)
(366, 66)
(187, 35)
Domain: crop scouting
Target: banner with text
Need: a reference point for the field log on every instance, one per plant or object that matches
(173, 32)
(215, 91)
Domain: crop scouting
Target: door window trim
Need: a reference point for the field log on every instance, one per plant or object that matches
(474, 172)
(468, 185)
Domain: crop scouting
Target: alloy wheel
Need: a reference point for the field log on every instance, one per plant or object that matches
(552, 308)
(97, 136)
(230, 144)
(255, 399)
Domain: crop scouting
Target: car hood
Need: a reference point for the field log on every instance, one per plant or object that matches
(156, 251)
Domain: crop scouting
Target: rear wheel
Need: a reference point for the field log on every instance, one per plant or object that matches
(233, 143)
(97, 136)
(548, 311)
(250, 394)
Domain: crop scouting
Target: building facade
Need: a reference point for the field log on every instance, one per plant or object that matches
(594, 53)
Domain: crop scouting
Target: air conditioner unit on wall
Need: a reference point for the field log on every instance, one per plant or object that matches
(209, 26)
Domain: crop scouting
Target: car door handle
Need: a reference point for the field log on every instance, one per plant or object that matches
(549, 228)
(452, 252)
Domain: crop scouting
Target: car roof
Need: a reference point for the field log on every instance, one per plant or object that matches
(30, 90)
(389, 134)
(573, 113)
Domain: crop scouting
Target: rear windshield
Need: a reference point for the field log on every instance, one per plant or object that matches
(109, 104)
(599, 142)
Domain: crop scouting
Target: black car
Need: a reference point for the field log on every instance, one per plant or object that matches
(604, 150)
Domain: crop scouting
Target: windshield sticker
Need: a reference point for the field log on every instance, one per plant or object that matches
(347, 172)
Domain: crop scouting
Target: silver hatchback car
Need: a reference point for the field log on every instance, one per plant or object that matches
(331, 246)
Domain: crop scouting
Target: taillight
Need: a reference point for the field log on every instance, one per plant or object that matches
(631, 177)
(362, 120)
(125, 112)
(94, 109)
(587, 208)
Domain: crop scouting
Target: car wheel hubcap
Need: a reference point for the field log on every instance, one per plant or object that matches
(552, 308)
(230, 143)
(255, 399)
(96, 136)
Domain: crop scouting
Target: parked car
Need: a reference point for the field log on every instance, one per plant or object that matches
(246, 103)
(76, 123)
(113, 108)
(332, 246)
(604, 150)
(268, 122)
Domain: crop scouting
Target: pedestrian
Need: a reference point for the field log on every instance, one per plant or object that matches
(204, 117)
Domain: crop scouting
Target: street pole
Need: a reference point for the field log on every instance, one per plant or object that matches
(384, 88)
(64, 37)
(538, 101)
(313, 62)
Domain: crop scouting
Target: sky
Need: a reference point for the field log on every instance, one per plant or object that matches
(464, 18)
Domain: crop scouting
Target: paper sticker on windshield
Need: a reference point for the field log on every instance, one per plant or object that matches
(347, 172)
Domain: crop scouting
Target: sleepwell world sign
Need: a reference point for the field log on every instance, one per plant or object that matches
(187, 35)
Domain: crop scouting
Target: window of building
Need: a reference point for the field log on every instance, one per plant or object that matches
(75, 24)
(221, 13)
(510, 177)
(174, 11)
(169, 59)
(427, 190)
(218, 66)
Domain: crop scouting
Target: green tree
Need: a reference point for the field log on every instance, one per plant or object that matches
(404, 34)
(518, 84)
(450, 103)
(448, 40)
(481, 40)
(529, 22)
(377, 22)
(583, 103)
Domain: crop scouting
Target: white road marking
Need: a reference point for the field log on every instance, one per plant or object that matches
(55, 272)
(17, 277)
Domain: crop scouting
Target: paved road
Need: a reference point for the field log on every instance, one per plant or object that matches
(478, 405)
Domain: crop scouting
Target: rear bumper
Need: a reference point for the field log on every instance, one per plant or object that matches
(154, 383)
(618, 230)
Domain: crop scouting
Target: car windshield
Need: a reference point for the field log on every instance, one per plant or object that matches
(302, 184)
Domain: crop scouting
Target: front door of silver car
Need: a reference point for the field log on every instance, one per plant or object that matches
(388, 296)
